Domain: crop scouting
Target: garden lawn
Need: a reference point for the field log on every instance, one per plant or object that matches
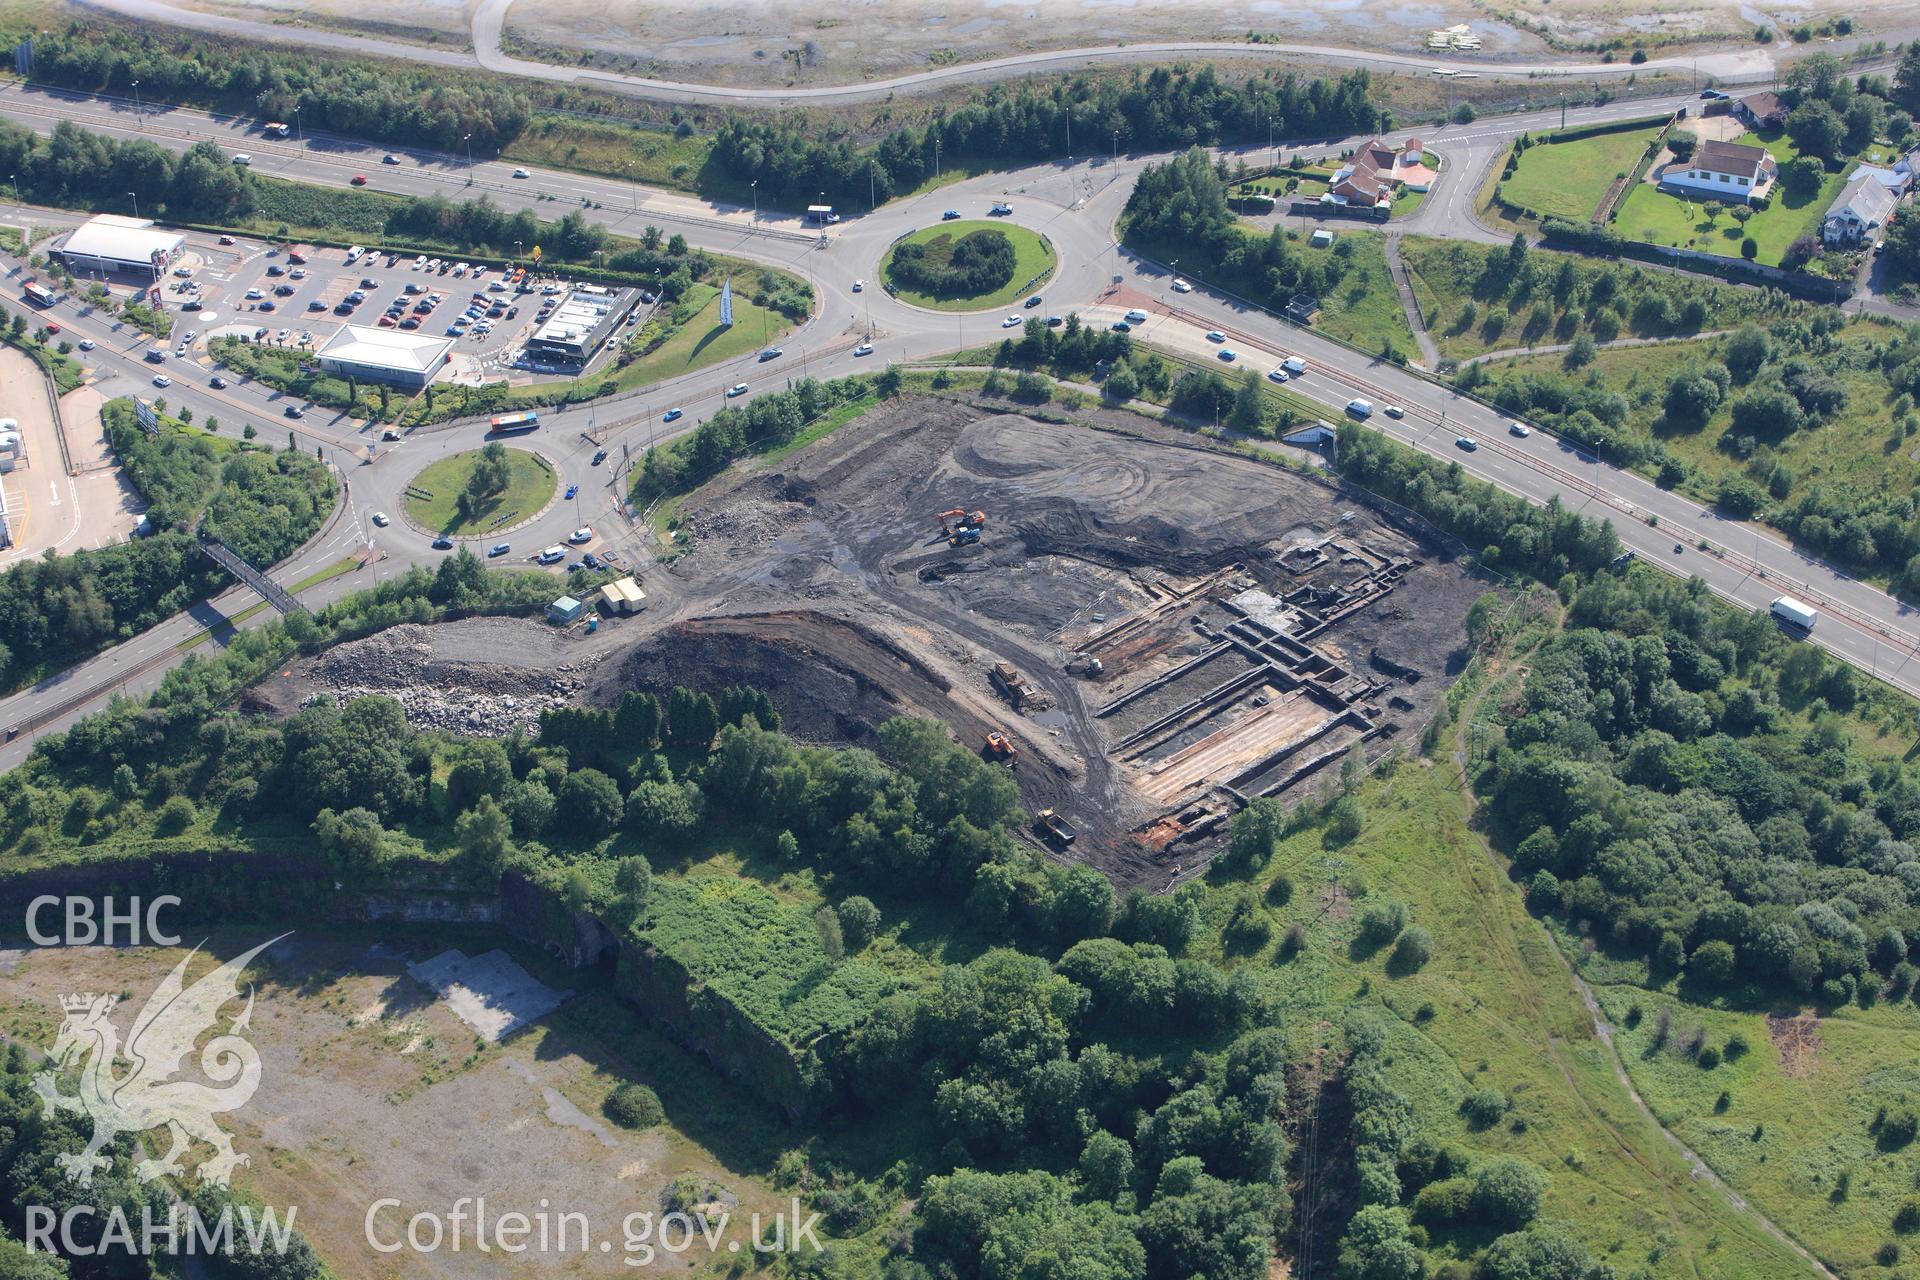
(432, 495)
(1654, 217)
(1033, 262)
(703, 340)
(1567, 179)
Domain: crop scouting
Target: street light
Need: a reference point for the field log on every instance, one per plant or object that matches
(136, 203)
(755, 184)
(468, 139)
(138, 114)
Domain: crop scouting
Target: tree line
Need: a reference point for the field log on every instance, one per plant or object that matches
(1161, 109)
(78, 168)
(386, 101)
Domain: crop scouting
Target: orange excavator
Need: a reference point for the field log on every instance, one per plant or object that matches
(1000, 748)
(966, 527)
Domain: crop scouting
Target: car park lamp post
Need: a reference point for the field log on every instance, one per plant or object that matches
(136, 203)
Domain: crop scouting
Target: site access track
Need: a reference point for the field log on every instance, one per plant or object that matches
(1076, 205)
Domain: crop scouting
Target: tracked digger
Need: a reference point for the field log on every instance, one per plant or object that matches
(960, 527)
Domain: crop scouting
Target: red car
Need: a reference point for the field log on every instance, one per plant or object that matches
(386, 322)
(226, 239)
(359, 179)
(296, 257)
(52, 328)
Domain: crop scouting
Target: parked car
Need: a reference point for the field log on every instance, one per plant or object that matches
(583, 534)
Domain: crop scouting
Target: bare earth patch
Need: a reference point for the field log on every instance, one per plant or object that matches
(1797, 1040)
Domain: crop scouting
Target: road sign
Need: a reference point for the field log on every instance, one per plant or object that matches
(148, 419)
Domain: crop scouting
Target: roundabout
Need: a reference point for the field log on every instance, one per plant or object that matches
(480, 491)
(968, 265)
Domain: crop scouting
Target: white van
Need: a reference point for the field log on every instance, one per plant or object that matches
(1136, 316)
(242, 159)
(1794, 613)
(353, 254)
(1294, 366)
(553, 555)
(1360, 408)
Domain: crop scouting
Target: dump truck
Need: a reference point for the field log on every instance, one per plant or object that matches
(1054, 829)
(1013, 686)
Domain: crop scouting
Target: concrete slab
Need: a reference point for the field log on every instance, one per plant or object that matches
(490, 993)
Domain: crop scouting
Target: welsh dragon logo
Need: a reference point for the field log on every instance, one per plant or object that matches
(147, 1096)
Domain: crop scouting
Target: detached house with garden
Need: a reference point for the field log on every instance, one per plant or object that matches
(1860, 212)
(1376, 173)
(1729, 172)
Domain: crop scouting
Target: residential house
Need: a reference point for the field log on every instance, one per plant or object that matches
(1860, 212)
(1897, 180)
(1762, 110)
(1724, 171)
(1376, 172)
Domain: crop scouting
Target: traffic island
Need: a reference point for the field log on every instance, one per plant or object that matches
(480, 491)
(967, 265)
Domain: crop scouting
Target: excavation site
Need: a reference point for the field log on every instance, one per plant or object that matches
(1146, 632)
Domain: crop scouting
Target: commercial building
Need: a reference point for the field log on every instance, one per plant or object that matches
(108, 244)
(384, 355)
(580, 326)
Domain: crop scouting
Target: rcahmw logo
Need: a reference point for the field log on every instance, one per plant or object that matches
(181, 1230)
(147, 1096)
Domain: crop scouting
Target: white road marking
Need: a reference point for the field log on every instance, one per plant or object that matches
(54, 489)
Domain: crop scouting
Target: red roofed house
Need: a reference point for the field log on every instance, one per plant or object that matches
(1376, 172)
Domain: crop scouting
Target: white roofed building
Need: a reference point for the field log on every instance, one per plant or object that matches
(109, 244)
(384, 355)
